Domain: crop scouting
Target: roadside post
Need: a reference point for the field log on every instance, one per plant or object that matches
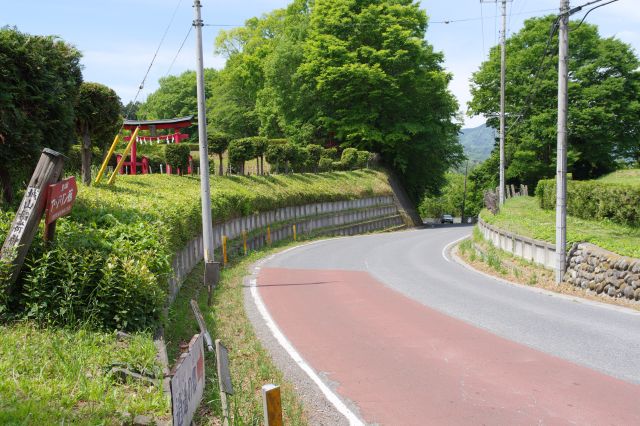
(201, 324)
(25, 224)
(187, 382)
(224, 379)
(272, 405)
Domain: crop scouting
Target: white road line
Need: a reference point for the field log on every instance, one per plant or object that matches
(446, 248)
(287, 346)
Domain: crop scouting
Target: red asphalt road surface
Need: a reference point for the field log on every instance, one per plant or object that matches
(403, 363)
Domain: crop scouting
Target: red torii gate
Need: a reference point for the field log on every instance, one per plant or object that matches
(175, 124)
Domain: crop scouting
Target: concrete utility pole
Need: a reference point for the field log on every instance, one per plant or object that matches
(503, 67)
(561, 166)
(205, 191)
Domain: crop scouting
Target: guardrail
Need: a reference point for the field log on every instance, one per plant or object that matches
(540, 252)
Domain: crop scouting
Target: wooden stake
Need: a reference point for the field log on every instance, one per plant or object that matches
(25, 224)
(272, 405)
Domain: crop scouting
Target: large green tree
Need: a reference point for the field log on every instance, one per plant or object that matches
(176, 96)
(604, 106)
(375, 83)
(39, 81)
(97, 117)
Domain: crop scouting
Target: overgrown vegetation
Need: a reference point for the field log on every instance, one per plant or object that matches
(250, 364)
(61, 376)
(594, 199)
(111, 259)
(523, 216)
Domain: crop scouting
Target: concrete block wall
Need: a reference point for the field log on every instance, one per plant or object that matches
(539, 252)
(348, 217)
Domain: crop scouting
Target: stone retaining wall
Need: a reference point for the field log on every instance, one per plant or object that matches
(591, 267)
(347, 217)
(588, 266)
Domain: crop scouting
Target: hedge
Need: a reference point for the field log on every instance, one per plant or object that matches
(618, 203)
(110, 262)
(177, 156)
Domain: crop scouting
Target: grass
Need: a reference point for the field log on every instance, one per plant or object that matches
(627, 176)
(250, 364)
(523, 216)
(60, 376)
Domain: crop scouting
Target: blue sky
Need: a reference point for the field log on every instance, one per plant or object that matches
(118, 38)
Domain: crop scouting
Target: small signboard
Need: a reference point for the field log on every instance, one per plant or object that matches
(187, 382)
(60, 199)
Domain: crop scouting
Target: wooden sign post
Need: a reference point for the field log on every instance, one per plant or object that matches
(224, 379)
(25, 224)
(272, 405)
(60, 199)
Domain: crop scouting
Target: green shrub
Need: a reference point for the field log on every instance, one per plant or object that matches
(110, 261)
(618, 203)
(362, 161)
(241, 150)
(325, 164)
(331, 153)
(349, 158)
(177, 156)
(73, 162)
(276, 156)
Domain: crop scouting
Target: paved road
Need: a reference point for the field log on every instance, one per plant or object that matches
(409, 337)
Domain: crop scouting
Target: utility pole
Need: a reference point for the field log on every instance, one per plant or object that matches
(561, 164)
(464, 194)
(205, 191)
(503, 68)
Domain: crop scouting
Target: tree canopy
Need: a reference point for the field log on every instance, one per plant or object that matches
(176, 96)
(97, 117)
(357, 72)
(39, 80)
(604, 101)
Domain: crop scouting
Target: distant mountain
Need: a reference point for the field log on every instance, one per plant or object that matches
(477, 142)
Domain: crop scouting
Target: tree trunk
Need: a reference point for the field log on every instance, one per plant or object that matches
(257, 165)
(86, 156)
(262, 164)
(7, 188)
(221, 169)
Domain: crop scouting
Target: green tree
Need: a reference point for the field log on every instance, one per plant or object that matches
(604, 107)
(369, 76)
(98, 118)
(218, 144)
(240, 150)
(39, 80)
(176, 96)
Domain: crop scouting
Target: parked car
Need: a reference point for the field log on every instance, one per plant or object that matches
(446, 218)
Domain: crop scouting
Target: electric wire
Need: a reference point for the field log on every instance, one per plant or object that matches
(591, 10)
(141, 86)
(179, 50)
(482, 17)
(484, 50)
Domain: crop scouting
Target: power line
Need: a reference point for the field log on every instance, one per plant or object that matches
(179, 50)
(482, 18)
(591, 10)
(141, 86)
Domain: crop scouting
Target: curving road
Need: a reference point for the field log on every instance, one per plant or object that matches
(404, 335)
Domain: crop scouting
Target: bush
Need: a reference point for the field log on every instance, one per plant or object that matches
(241, 150)
(363, 158)
(276, 156)
(315, 153)
(349, 158)
(73, 162)
(110, 262)
(330, 153)
(325, 164)
(177, 156)
(595, 200)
